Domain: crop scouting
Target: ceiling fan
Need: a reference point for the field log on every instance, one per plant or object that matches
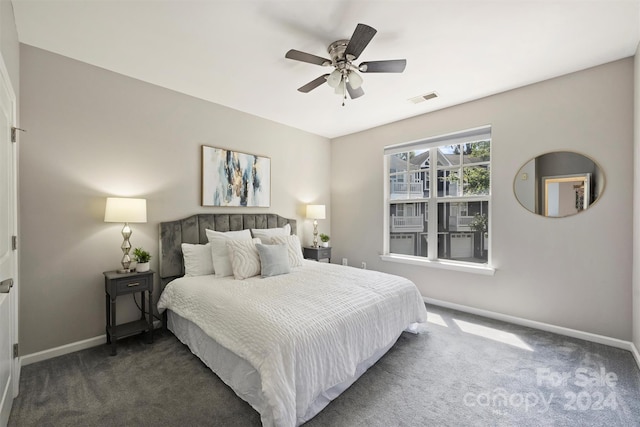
(344, 78)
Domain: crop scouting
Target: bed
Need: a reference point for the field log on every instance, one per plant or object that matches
(286, 344)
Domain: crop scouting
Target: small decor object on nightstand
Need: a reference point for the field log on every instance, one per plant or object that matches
(142, 258)
(325, 240)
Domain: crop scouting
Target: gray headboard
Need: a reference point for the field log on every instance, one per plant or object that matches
(192, 230)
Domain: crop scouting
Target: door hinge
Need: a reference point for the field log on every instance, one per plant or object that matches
(14, 133)
(14, 242)
(16, 350)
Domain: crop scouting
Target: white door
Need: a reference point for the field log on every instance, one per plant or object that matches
(9, 367)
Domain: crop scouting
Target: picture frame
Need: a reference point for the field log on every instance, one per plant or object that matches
(233, 178)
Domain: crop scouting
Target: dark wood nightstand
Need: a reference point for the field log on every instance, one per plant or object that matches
(317, 253)
(116, 284)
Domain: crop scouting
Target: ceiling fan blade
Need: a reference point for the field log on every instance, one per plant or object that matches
(307, 57)
(354, 93)
(359, 40)
(390, 66)
(313, 84)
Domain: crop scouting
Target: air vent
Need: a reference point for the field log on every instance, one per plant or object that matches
(422, 98)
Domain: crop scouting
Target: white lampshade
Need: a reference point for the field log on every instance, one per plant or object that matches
(316, 212)
(334, 78)
(125, 210)
(355, 80)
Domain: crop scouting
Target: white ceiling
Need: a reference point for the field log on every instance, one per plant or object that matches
(232, 52)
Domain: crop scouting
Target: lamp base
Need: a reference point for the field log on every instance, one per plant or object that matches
(126, 247)
(315, 233)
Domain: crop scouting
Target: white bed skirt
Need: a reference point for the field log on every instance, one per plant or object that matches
(243, 379)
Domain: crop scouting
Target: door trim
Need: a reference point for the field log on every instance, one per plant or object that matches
(15, 365)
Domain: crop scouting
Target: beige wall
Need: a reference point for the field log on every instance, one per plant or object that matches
(573, 272)
(91, 134)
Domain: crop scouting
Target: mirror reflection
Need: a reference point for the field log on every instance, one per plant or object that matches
(558, 184)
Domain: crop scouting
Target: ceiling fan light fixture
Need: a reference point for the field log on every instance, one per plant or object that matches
(334, 78)
(355, 80)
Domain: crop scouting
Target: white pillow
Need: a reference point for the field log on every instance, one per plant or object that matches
(197, 259)
(266, 234)
(293, 245)
(219, 251)
(245, 260)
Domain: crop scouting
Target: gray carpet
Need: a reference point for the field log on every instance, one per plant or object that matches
(457, 374)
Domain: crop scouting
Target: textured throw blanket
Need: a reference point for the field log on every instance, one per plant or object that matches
(304, 332)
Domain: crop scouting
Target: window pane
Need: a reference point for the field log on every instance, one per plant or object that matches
(448, 182)
(409, 175)
(448, 155)
(476, 180)
(398, 162)
(419, 177)
(463, 231)
(398, 186)
(408, 228)
(477, 152)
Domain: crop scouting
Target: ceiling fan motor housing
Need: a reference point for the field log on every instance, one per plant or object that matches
(336, 51)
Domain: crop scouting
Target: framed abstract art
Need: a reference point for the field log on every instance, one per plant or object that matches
(231, 178)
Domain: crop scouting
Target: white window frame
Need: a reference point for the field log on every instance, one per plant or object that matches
(432, 144)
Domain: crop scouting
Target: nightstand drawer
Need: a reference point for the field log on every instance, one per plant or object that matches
(324, 253)
(120, 284)
(132, 284)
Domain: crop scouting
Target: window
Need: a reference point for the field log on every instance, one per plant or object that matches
(446, 179)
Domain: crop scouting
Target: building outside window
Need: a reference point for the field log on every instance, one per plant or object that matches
(445, 179)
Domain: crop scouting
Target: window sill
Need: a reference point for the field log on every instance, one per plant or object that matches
(445, 265)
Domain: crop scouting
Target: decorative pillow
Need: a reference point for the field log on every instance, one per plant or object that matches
(274, 259)
(245, 260)
(219, 251)
(293, 245)
(266, 234)
(197, 259)
(236, 235)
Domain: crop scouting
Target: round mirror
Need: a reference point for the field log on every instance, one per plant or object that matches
(558, 184)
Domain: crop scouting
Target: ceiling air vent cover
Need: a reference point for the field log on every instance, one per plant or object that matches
(422, 98)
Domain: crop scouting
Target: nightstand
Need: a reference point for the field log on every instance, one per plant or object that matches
(317, 253)
(117, 284)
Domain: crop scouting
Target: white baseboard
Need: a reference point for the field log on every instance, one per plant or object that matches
(636, 353)
(587, 336)
(69, 348)
(64, 349)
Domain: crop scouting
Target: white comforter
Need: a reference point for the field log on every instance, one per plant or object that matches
(304, 332)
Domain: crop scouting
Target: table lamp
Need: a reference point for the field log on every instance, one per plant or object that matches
(125, 210)
(316, 212)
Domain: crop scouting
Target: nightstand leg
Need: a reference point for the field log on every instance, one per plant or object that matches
(108, 319)
(114, 339)
(143, 307)
(150, 292)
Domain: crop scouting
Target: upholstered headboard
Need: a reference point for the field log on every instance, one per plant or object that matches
(192, 230)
